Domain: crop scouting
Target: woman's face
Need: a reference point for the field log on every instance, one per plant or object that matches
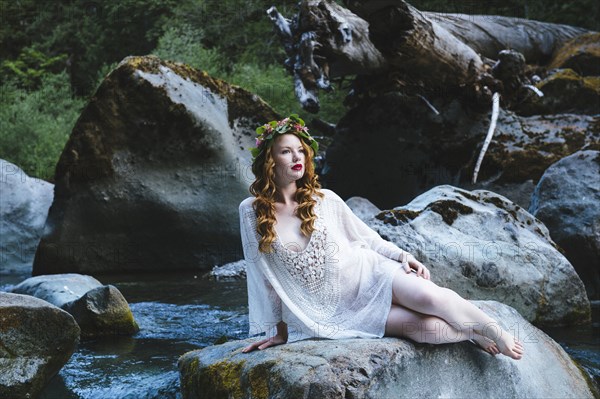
(289, 157)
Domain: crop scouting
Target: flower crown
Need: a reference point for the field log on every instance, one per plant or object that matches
(291, 124)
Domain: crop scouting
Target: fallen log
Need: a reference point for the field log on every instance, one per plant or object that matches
(490, 34)
(422, 51)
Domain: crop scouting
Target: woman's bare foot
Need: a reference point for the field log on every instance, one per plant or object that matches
(486, 344)
(509, 345)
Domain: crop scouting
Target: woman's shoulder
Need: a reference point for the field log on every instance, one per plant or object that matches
(247, 203)
(330, 195)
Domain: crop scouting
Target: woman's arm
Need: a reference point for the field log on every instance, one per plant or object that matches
(264, 305)
(356, 229)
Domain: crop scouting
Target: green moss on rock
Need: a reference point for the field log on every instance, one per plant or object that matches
(449, 210)
(222, 380)
(259, 378)
(581, 53)
(397, 216)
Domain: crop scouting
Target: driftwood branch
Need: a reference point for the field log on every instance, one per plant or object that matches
(490, 134)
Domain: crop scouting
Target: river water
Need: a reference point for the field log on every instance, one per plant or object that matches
(179, 312)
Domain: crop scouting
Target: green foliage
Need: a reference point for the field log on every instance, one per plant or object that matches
(92, 33)
(276, 86)
(184, 44)
(271, 81)
(241, 30)
(36, 124)
(30, 66)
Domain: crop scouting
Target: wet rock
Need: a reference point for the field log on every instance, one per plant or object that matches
(582, 54)
(394, 147)
(567, 200)
(229, 271)
(152, 174)
(23, 209)
(103, 311)
(385, 368)
(98, 309)
(58, 289)
(484, 246)
(36, 340)
(362, 207)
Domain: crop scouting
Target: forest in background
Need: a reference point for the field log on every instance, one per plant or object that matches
(55, 53)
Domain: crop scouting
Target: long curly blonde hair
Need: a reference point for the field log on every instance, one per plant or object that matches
(264, 189)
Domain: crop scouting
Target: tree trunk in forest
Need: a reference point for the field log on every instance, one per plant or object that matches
(421, 51)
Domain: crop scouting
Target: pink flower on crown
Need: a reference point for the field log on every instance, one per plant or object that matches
(268, 128)
(258, 142)
(283, 122)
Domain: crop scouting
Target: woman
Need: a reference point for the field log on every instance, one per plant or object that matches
(316, 270)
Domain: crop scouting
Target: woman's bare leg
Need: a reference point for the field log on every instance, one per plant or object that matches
(424, 296)
(403, 322)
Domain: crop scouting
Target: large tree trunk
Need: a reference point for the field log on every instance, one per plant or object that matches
(392, 39)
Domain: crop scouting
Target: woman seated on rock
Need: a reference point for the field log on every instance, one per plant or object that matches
(323, 273)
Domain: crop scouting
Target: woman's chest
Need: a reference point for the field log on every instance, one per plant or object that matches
(289, 233)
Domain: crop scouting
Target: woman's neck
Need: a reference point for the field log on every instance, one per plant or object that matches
(286, 195)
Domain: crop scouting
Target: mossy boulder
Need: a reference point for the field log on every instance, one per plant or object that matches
(152, 173)
(582, 54)
(36, 340)
(385, 368)
(565, 91)
(99, 310)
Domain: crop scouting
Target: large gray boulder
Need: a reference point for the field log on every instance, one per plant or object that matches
(386, 368)
(567, 200)
(98, 309)
(484, 246)
(153, 173)
(36, 340)
(24, 204)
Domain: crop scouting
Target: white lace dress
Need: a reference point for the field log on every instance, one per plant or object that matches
(338, 286)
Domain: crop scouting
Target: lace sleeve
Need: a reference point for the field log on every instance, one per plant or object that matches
(264, 305)
(357, 230)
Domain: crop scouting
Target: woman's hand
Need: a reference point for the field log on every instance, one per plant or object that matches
(410, 263)
(265, 343)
